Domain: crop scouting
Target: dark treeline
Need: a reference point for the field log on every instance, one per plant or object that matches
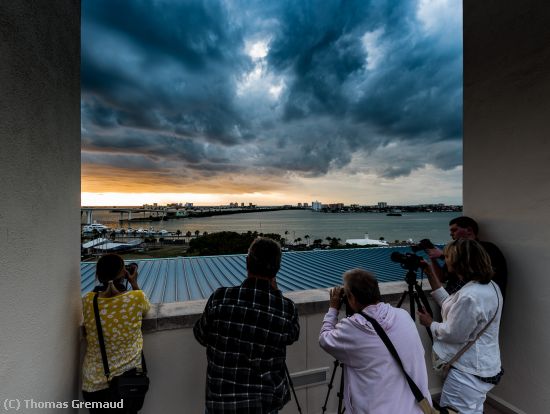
(225, 242)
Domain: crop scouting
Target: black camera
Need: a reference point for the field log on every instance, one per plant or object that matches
(347, 308)
(409, 261)
(131, 268)
(423, 244)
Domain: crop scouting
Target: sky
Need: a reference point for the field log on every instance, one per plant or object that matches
(271, 102)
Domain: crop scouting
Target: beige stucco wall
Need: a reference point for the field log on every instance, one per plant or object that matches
(507, 174)
(40, 199)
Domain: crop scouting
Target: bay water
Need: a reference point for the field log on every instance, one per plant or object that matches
(293, 224)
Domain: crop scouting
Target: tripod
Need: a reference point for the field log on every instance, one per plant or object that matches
(416, 295)
(340, 394)
(292, 388)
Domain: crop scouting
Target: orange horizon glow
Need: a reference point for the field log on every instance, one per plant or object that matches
(89, 199)
(140, 187)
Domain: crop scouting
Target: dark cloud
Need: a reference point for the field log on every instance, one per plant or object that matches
(178, 86)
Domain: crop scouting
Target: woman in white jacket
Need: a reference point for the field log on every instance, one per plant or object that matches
(470, 314)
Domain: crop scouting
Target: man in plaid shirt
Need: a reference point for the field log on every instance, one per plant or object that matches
(245, 330)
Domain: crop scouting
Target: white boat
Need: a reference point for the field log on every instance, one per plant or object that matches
(89, 228)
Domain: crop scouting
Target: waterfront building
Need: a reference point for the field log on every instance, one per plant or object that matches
(316, 205)
(367, 242)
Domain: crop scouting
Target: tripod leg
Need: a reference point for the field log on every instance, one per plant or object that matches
(411, 301)
(423, 298)
(401, 299)
(341, 393)
(336, 363)
(426, 305)
(293, 390)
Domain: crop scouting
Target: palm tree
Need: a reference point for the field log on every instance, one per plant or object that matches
(283, 241)
(188, 235)
(299, 239)
(178, 233)
(197, 233)
(205, 233)
(307, 239)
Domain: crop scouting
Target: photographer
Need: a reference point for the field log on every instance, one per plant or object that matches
(464, 227)
(374, 383)
(121, 312)
(246, 330)
(467, 338)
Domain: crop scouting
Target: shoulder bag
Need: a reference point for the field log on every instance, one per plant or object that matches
(132, 385)
(423, 403)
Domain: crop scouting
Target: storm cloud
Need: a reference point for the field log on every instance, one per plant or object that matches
(191, 90)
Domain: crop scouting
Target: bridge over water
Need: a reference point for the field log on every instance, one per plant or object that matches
(129, 211)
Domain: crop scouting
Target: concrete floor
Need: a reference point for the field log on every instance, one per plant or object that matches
(488, 409)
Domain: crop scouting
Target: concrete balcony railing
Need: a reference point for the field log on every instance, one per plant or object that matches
(177, 363)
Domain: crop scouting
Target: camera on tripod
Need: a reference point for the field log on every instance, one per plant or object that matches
(423, 244)
(409, 261)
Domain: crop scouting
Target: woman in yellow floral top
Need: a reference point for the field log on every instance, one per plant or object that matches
(121, 312)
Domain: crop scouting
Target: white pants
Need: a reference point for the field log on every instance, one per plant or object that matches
(464, 392)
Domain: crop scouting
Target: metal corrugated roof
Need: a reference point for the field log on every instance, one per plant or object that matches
(181, 279)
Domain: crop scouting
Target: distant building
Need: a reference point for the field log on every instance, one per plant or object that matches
(367, 242)
(305, 205)
(316, 205)
(242, 205)
(299, 205)
(188, 205)
(382, 204)
(336, 206)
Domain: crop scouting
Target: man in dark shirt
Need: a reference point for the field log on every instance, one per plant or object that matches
(245, 330)
(466, 228)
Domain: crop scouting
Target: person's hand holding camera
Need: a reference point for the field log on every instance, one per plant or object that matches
(336, 294)
(131, 275)
(434, 253)
(428, 270)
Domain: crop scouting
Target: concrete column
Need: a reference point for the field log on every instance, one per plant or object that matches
(506, 175)
(40, 161)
